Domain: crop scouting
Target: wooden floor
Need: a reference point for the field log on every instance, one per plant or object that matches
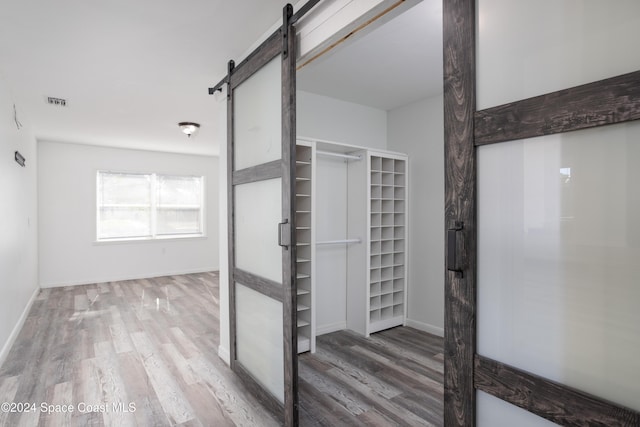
(144, 353)
(394, 377)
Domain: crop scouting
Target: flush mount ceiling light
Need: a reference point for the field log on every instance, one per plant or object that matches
(189, 128)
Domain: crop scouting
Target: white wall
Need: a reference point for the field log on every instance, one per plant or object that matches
(18, 221)
(68, 252)
(330, 119)
(417, 130)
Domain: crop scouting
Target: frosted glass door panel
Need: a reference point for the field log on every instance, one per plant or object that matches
(493, 412)
(559, 258)
(258, 211)
(257, 117)
(552, 45)
(259, 339)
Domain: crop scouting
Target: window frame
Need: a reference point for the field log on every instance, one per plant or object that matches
(153, 236)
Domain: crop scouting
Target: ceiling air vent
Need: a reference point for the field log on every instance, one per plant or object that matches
(57, 101)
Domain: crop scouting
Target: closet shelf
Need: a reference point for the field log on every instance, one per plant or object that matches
(304, 344)
(303, 192)
(391, 292)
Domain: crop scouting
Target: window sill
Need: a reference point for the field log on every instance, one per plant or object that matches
(150, 239)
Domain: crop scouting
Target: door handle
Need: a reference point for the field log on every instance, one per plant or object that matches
(452, 248)
(284, 236)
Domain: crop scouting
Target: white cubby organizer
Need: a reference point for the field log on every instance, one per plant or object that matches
(387, 242)
(377, 285)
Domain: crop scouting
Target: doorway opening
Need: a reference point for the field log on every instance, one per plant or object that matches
(374, 99)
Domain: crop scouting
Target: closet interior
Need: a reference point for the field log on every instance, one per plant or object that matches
(351, 237)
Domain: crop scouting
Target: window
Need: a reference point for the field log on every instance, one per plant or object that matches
(148, 206)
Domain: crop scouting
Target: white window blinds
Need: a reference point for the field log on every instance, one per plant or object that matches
(138, 206)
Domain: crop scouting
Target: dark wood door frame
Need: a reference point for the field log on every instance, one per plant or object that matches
(613, 100)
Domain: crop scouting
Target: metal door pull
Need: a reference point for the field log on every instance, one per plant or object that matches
(452, 248)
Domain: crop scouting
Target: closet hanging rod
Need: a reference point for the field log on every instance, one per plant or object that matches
(343, 156)
(337, 242)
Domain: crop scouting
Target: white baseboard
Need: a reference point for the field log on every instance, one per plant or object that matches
(331, 327)
(224, 354)
(117, 278)
(425, 327)
(16, 330)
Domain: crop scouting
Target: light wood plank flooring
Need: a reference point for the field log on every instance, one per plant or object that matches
(152, 344)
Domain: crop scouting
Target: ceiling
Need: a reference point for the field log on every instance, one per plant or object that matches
(130, 71)
(395, 64)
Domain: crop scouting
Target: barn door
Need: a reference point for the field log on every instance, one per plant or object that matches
(542, 209)
(262, 247)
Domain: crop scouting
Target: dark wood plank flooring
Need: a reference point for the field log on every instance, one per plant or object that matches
(153, 343)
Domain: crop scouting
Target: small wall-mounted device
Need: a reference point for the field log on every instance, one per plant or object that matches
(19, 158)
